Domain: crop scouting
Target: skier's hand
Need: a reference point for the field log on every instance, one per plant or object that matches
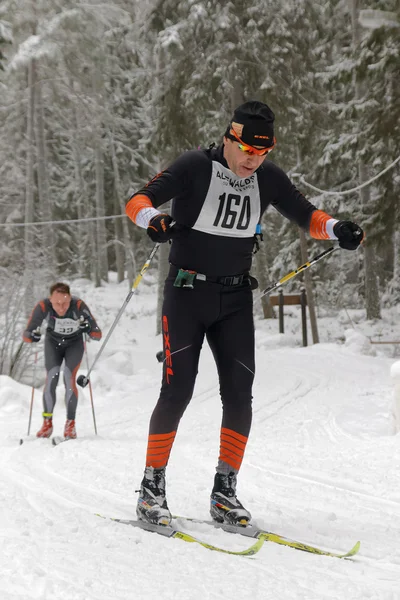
(36, 336)
(85, 327)
(159, 229)
(349, 234)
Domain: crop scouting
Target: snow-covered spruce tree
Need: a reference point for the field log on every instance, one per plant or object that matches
(356, 144)
(379, 66)
(91, 126)
(6, 39)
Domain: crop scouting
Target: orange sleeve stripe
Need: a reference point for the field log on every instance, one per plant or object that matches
(95, 335)
(136, 204)
(318, 223)
(43, 307)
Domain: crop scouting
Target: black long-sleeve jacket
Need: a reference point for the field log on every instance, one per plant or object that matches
(221, 210)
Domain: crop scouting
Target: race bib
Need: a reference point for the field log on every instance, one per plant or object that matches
(65, 326)
(232, 205)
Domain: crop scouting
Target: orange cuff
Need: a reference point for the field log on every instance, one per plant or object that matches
(136, 204)
(318, 225)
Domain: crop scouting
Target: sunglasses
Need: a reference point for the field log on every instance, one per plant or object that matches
(250, 149)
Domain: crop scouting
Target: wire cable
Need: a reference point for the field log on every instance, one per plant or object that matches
(359, 187)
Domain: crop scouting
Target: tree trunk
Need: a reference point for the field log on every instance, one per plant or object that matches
(47, 231)
(371, 284)
(29, 251)
(309, 288)
(129, 250)
(119, 246)
(237, 96)
(101, 234)
(84, 208)
(95, 266)
(262, 271)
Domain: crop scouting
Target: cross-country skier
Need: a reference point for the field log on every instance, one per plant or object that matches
(67, 318)
(219, 196)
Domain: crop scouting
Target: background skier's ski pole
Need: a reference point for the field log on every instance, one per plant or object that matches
(286, 278)
(84, 380)
(90, 390)
(33, 391)
(32, 394)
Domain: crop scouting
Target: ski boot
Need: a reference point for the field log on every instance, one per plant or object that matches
(69, 430)
(152, 505)
(47, 428)
(224, 505)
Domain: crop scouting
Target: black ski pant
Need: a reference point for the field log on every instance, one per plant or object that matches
(55, 352)
(224, 315)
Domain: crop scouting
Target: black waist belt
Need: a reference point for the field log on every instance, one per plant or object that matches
(224, 279)
(229, 280)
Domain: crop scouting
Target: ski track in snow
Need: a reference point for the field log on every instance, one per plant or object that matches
(321, 466)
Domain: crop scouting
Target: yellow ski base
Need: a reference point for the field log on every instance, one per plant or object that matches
(253, 532)
(168, 531)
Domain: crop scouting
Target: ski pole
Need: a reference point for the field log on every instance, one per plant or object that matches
(90, 389)
(84, 380)
(286, 278)
(32, 394)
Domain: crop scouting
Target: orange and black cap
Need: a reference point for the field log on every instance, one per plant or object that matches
(253, 123)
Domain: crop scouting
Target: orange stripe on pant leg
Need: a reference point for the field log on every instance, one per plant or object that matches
(232, 451)
(158, 449)
(232, 459)
(234, 434)
(229, 439)
(73, 380)
(232, 447)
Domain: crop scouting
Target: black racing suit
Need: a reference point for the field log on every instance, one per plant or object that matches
(220, 212)
(63, 342)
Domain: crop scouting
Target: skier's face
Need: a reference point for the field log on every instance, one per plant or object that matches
(60, 302)
(239, 162)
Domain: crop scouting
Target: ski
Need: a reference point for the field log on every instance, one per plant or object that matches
(57, 439)
(254, 532)
(32, 439)
(172, 532)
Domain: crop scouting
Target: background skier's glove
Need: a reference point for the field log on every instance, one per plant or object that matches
(349, 234)
(159, 229)
(35, 336)
(85, 327)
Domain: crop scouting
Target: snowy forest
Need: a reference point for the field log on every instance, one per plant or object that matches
(97, 97)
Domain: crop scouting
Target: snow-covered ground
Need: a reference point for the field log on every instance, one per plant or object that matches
(321, 466)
